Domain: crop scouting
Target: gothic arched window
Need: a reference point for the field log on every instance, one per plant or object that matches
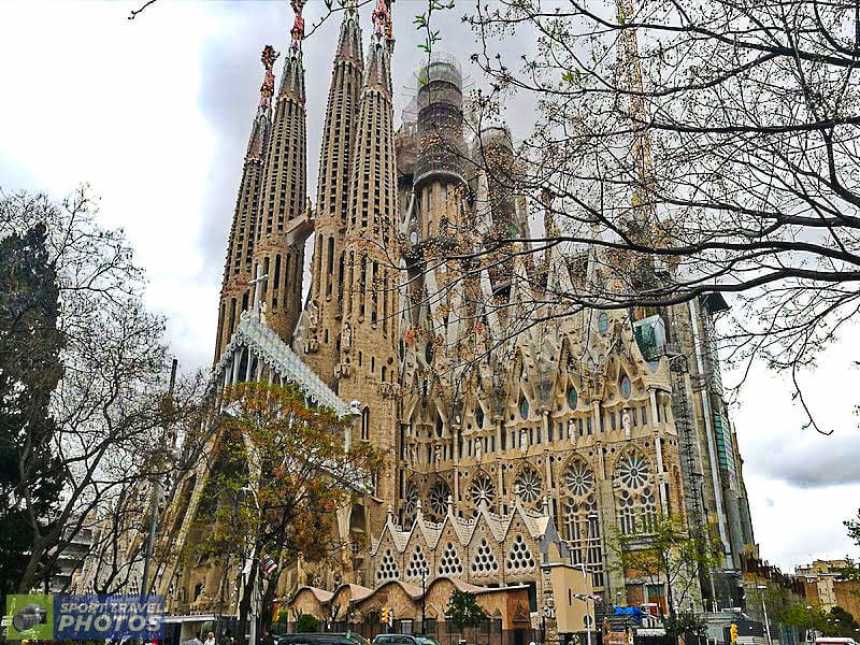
(365, 424)
(635, 504)
(580, 520)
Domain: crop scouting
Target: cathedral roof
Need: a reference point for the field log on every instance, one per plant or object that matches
(270, 349)
(538, 525)
(320, 594)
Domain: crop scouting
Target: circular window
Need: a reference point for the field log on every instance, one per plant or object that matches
(578, 478)
(528, 485)
(524, 407)
(632, 471)
(439, 499)
(603, 322)
(482, 489)
(626, 387)
(572, 399)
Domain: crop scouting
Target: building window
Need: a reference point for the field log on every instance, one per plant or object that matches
(365, 424)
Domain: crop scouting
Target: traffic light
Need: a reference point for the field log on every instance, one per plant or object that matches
(384, 617)
(733, 632)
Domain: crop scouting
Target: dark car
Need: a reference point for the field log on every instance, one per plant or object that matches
(321, 638)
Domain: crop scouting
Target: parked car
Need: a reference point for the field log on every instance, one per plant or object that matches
(322, 638)
(404, 639)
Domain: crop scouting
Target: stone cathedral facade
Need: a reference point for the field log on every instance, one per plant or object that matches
(507, 442)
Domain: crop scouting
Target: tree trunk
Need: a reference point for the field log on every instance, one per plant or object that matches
(245, 605)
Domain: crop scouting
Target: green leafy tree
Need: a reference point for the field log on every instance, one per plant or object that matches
(839, 622)
(464, 611)
(31, 475)
(282, 471)
(307, 624)
(666, 553)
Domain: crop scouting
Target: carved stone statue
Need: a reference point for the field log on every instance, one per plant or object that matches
(479, 449)
(346, 337)
(627, 423)
(524, 440)
(312, 313)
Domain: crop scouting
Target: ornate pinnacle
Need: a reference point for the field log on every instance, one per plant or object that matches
(298, 30)
(267, 90)
(382, 19)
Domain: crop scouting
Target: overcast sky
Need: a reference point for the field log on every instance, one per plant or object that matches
(154, 113)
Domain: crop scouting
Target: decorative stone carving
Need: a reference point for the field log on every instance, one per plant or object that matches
(627, 424)
(346, 337)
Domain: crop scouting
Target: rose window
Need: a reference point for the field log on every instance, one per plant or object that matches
(632, 471)
(482, 489)
(578, 478)
(438, 498)
(528, 485)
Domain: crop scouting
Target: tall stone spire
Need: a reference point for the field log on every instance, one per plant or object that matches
(235, 297)
(368, 370)
(323, 312)
(282, 225)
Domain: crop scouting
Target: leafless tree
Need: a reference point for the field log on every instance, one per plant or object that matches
(692, 149)
(109, 407)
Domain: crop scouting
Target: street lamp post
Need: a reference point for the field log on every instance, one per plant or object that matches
(761, 588)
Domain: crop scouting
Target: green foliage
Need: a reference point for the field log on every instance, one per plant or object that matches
(853, 527)
(307, 624)
(685, 622)
(281, 472)
(30, 369)
(464, 611)
(279, 624)
(839, 623)
(666, 552)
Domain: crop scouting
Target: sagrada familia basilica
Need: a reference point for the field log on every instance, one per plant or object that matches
(509, 444)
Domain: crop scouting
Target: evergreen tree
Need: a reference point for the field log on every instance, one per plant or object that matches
(30, 472)
(464, 611)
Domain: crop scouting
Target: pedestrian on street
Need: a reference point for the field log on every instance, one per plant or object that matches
(210, 639)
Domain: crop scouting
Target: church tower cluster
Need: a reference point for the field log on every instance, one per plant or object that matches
(505, 425)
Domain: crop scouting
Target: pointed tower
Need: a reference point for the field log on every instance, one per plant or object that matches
(368, 371)
(282, 223)
(238, 268)
(324, 310)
